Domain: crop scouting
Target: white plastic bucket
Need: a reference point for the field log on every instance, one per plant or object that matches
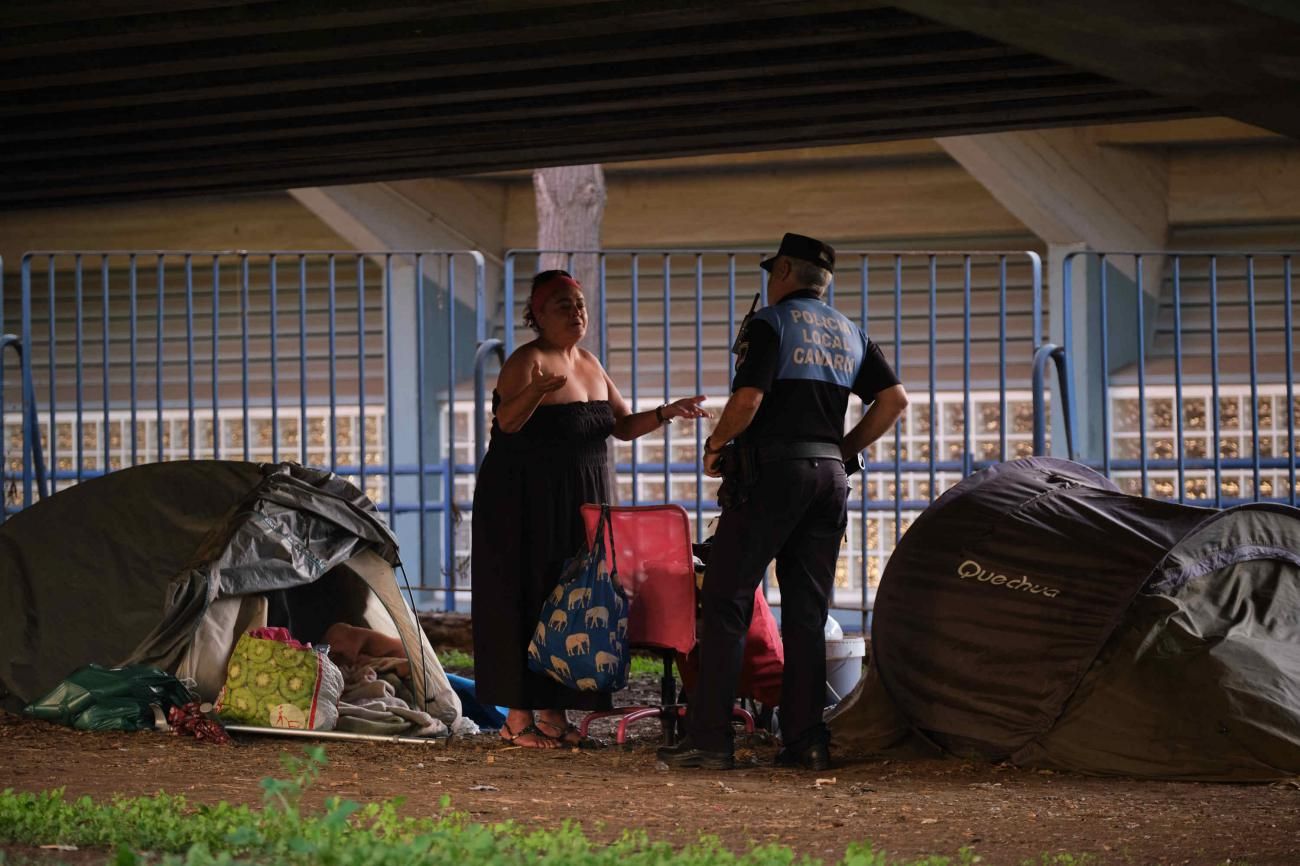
(843, 666)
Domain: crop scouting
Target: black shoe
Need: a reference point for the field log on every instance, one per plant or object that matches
(814, 757)
(684, 754)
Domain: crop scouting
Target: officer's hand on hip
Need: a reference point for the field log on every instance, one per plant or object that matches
(711, 467)
(854, 461)
(711, 458)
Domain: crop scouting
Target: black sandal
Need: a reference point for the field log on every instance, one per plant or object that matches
(530, 728)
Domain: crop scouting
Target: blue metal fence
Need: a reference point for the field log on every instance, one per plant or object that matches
(376, 366)
(1190, 370)
(363, 363)
(961, 327)
(326, 358)
(29, 462)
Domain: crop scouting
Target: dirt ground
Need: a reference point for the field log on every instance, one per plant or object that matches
(911, 809)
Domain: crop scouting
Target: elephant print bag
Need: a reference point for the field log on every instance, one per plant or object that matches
(581, 638)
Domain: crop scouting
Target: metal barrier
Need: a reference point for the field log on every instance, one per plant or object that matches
(30, 463)
(960, 327)
(33, 461)
(323, 357)
(364, 363)
(1050, 352)
(375, 365)
(1197, 402)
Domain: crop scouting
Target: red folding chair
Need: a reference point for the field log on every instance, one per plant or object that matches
(652, 552)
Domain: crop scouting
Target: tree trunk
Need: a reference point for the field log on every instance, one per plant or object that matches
(570, 205)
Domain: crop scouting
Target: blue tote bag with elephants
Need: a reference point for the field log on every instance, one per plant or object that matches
(581, 638)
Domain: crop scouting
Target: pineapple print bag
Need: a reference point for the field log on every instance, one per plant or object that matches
(271, 683)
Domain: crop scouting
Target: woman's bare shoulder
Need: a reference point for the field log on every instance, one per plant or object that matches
(600, 385)
(522, 356)
(530, 349)
(590, 360)
(517, 368)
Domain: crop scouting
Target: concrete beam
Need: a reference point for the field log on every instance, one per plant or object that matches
(1235, 185)
(426, 214)
(876, 202)
(1231, 57)
(249, 222)
(1067, 189)
(1193, 131)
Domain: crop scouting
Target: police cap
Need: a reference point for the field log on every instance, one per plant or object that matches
(803, 247)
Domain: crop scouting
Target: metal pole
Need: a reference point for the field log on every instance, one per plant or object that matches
(1214, 379)
(275, 362)
(80, 339)
(1141, 374)
(189, 352)
(336, 735)
(243, 354)
(1254, 374)
(636, 493)
(1105, 369)
(360, 431)
(333, 370)
(1178, 380)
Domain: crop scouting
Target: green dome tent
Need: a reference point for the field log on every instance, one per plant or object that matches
(166, 564)
(1036, 614)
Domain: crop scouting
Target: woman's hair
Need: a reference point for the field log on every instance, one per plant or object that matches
(544, 277)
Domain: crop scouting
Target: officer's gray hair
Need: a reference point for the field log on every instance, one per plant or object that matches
(810, 276)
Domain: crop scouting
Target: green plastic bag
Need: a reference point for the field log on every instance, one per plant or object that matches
(96, 698)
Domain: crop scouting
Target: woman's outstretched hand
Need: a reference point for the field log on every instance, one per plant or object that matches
(543, 382)
(686, 407)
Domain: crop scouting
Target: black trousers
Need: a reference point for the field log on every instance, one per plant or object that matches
(796, 514)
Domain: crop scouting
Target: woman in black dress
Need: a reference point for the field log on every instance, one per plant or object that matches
(554, 408)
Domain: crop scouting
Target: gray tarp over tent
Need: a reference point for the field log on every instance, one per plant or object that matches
(1036, 614)
(166, 564)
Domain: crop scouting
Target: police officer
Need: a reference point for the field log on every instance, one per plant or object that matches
(797, 362)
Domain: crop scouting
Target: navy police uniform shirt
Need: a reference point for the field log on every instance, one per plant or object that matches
(806, 358)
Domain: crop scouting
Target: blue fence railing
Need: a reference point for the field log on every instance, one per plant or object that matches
(33, 461)
(1191, 372)
(30, 463)
(377, 366)
(961, 327)
(343, 360)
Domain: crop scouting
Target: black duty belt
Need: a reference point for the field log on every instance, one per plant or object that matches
(775, 451)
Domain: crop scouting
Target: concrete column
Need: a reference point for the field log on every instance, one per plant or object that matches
(425, 215)
(1078, 195)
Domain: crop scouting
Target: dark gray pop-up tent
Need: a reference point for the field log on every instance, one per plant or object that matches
(1034, 613)
(167, 564)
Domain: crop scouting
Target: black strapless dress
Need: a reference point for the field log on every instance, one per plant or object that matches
(526, 524)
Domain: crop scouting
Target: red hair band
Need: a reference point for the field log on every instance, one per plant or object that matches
(541, 294)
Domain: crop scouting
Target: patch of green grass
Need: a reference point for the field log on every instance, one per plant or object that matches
(646, 666)
(168, 830)
(456, 660)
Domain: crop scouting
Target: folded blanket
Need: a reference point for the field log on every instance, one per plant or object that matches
(376, 701)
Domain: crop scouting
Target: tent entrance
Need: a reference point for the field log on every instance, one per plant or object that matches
(360, 592)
